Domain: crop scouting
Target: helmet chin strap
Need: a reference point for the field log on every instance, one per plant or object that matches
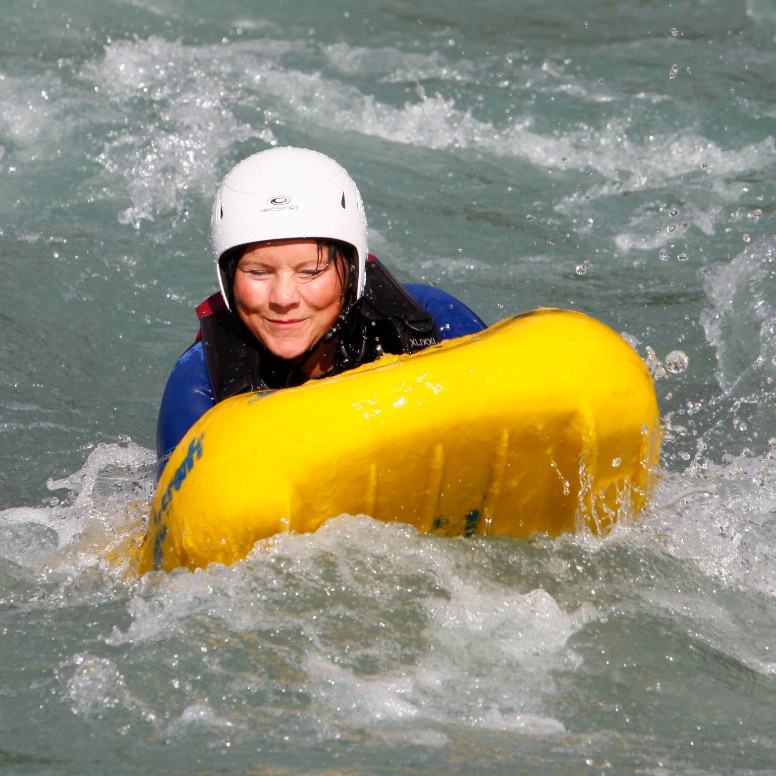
(328, 337)
(302, 359)
(335, 329)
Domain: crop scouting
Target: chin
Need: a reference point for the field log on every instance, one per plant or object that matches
(286, 351)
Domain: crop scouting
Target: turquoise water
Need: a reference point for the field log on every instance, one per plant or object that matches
(612, 157)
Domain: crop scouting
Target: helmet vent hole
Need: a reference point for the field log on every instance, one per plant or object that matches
(221, 211)
(342, 201)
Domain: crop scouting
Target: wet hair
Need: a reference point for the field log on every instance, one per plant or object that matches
(343, 256)
(228, 265)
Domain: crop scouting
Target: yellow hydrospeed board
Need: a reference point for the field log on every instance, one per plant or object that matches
(545, 422)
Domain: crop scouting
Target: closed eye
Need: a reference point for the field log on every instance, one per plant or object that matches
(314, 272)
(303, 275)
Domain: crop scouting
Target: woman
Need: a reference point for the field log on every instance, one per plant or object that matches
(300, 298)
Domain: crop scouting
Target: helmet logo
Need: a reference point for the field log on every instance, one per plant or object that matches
(279, 202)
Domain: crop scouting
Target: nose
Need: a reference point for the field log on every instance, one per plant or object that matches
(285, 289)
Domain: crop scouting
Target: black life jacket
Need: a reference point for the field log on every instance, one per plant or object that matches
(385, 320)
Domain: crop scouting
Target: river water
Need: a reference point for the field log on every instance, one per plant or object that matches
(612, 157)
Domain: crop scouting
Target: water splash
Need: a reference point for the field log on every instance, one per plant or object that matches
(741, 318)
(104, 505)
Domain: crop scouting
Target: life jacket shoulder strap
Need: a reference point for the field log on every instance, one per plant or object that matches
(212, 305)
(232, 366)
(404, 323)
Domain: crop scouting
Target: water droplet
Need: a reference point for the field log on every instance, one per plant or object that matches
(676, 361)
(631, 339)
(656, 368)
(674, 32)
(682, 257)
(616, 462)
(582, 268)
(672, 73)
(664, 254)
(529, 217)
(747, 238)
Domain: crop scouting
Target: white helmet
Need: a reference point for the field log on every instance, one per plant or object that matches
(287, 193)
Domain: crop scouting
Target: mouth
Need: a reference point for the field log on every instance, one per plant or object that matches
(284, 323)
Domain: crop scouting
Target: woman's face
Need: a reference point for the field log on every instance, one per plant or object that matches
(288, 294)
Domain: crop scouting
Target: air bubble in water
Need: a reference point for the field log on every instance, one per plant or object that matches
(664, 254)
(582, 268)
(672, 73)
(682, 257)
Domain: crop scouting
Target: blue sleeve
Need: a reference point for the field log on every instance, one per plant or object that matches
(453, 318)
(187, 397)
